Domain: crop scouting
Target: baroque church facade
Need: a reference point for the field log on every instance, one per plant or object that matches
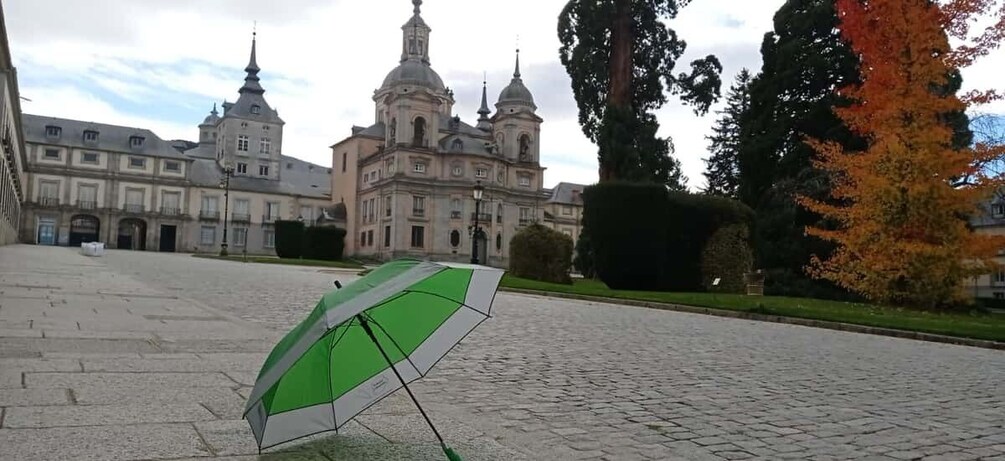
(405, 181)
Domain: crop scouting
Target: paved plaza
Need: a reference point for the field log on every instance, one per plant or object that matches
(151, 356)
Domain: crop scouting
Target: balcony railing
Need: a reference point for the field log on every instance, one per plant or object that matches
(240, 217)
(170, 211)
(455, 215)
(48, 201)
(132, 208)
(87, 204)
(212, 215)
(418, 212)
(482, 217)
(269, 218)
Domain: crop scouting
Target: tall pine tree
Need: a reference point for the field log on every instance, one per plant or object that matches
(722, 167)
(804, 60)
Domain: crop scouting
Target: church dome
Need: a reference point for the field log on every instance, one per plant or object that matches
(516, 92)
(212, 118)
(414, 72)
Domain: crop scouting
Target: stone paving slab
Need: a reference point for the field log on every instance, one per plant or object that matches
(101, 443)
(99, 415)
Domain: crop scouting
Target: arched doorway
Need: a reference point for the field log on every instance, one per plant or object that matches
(84, 228)
(132, 234)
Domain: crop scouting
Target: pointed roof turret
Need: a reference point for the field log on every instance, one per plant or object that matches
(483, 112)
(251, 81)
(516, 92)
(213, 117)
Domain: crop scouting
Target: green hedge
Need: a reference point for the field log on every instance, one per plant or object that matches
(289, 239)
(540, 253)
(728, 257)
(647, 238)
(326, 243)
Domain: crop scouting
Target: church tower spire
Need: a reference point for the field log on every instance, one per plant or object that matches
(251, 81)
(484, 122)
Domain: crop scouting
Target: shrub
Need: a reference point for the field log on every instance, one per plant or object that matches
(289, 239)
(325, 243)
(727, 256)
(540, 253)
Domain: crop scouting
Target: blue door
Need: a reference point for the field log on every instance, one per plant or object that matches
(46, 233)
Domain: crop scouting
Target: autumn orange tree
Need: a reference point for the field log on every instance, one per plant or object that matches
(898, 209)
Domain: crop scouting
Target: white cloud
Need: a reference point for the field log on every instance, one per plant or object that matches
(322, 59)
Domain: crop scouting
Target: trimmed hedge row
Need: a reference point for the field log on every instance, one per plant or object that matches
(644, 237)
(294, 241)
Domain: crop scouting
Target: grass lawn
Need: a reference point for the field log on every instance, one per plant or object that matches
(978, 326)
(289, 262)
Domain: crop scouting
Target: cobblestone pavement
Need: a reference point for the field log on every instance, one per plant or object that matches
(557, 379)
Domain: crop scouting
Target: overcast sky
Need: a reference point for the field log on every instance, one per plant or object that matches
(162, 64)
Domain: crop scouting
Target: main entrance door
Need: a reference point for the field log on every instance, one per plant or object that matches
(132, 234)
(83, 229)
(168, 237)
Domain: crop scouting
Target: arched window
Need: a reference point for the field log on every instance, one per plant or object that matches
(419, 132)
(393, 130)
(499, 213)
(455, 238)
(498, 242)
(524, 147)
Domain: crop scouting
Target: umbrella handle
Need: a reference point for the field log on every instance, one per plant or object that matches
(451, 455)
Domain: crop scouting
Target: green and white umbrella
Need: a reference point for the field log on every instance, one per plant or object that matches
(337, 362)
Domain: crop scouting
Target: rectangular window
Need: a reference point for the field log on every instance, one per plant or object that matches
(209, 203)
(52, 154)
(242, 168)
(136, 141)
(240, 236)
(137, 162)
(524, 216)
(524, 181)
(48, 189)
(174, 167)
(387, 206)
(998, 210)
(362, 239)
(266, 145)
(90, 136)
(171, 203)
(369, 238)
(373, 209)
(87, 196)
(419, 168)
(387, 236)
(418, 236)
(242, 143)
(344, 157)
(263, 170)
(269, 240)
(418, 206)
(272, 211)
(89, 157)
(1000, 277)
(242, 206)
(481, 173)
(567, 210)
(207, 235)
(53, 131)
(307, 212)
(134, 200)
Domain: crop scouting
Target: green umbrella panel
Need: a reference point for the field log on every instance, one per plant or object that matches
(328, 369)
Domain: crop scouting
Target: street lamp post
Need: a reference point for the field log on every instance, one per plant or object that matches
(225, 185)
(477, 193)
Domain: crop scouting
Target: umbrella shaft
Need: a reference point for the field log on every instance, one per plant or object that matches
(369, 332)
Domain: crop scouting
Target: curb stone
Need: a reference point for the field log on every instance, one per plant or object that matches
(825, 324)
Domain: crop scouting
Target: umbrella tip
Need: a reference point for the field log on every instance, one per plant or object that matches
(450, 454)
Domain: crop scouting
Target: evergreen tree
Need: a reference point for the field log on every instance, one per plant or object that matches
(621, 56)
(722, 168)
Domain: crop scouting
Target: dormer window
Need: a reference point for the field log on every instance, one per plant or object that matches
(136, 141)
(52, 131)
(91, 136)
(256, 109)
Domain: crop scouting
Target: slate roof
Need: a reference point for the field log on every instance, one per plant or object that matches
(298, 178)
(563, 193)
(110, 137)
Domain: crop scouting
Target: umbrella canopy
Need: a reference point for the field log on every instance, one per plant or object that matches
(335, 364)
